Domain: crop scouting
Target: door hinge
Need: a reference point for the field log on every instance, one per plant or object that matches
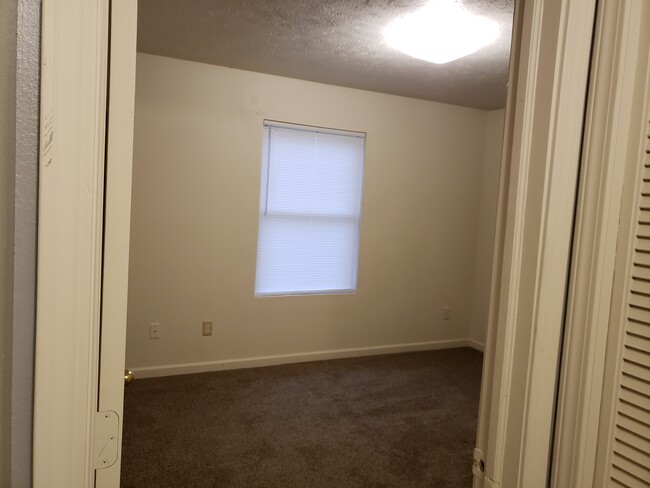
(478, 464)
(107, 426)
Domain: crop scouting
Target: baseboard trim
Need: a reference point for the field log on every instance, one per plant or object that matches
(479, 346)
(190, 368)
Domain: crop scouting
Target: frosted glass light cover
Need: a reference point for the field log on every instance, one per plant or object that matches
(441, 31)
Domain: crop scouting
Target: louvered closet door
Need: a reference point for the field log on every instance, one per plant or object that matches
(630, 451)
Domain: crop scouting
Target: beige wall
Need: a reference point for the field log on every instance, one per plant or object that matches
(486, 226)
(198, 135)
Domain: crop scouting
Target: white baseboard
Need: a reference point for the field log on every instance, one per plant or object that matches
(190, 368)
(479, 346)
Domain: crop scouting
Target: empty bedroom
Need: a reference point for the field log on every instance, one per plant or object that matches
(313, 212)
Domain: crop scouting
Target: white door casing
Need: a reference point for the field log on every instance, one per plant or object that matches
(540, 166)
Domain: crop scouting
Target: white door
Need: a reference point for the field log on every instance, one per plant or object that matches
(87, 72)
(117, 218)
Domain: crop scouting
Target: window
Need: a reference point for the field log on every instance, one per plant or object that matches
(310, 209)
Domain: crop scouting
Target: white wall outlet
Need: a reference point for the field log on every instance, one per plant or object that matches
(154, 330)
(207, 327)
(446, 313)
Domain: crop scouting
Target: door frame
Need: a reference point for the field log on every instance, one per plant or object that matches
(616, 102)
(551, 52)
(539, 175)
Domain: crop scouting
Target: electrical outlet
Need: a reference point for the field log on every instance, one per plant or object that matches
(446, 313)
(154, 330)
(207, 327)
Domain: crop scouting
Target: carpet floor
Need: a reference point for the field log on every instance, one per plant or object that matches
(403, 420)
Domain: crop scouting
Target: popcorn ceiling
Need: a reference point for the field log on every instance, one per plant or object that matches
(338, 42)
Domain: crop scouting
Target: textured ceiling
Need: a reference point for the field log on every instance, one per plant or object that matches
(338, 42)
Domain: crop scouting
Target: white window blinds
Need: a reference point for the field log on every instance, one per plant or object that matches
(310, 210)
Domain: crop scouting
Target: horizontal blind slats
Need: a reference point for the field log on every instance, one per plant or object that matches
(310, 206)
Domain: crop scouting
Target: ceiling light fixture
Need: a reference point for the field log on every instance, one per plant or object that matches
(440, 32)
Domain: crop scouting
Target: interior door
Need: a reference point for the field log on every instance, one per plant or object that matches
(623, 444)
(117, 216)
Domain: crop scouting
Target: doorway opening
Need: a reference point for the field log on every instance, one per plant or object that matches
(346, 389)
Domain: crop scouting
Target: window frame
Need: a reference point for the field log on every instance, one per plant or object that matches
(269, 124)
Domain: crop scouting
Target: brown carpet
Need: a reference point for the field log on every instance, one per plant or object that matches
(404, 420)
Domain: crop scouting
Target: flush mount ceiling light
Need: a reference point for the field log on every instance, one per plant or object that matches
(440, 32)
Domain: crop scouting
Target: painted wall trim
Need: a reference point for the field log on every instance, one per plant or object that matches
(479, 346)
(255, 362)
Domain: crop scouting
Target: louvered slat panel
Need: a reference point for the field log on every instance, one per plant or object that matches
(638, 357)
(630, 455)
(638, 343)
(641, 417)
(640, 474)
(642, 244)
(617, 484)
(637, 371)
(641, 272)
(634, 398)
(639, 329)
(645, 188)
(644, 216)
(640, 301)
(632, 439)
(645, 203)
(632, 425)
(639, 315)
(640, 286)
(633, 454)
(643, 231)
(642, 259)
(634, 384)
